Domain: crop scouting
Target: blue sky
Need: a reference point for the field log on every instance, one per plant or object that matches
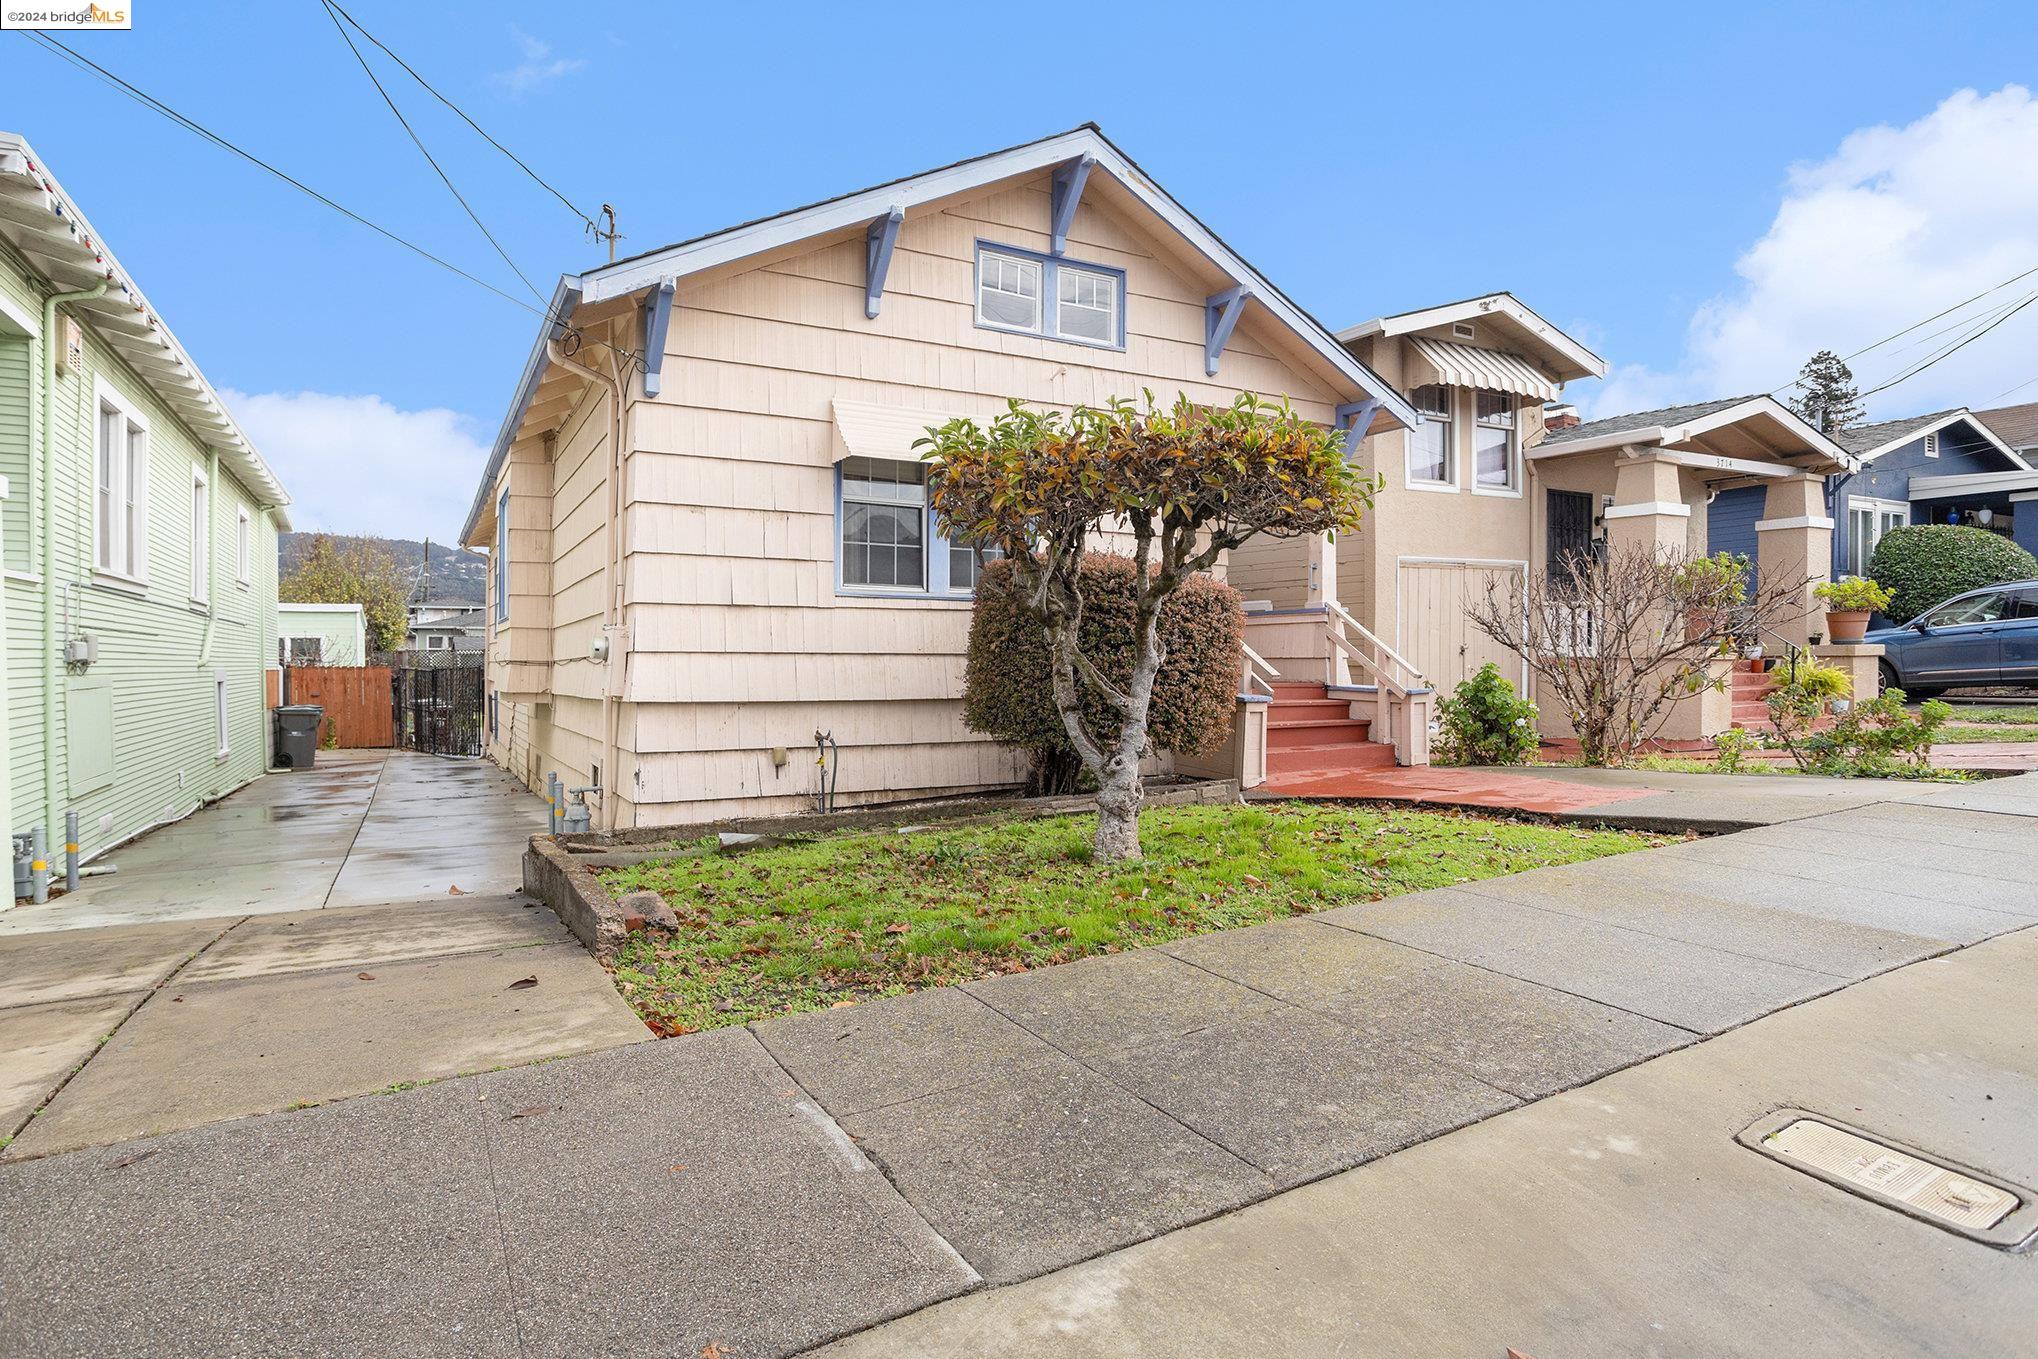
(1698, 192)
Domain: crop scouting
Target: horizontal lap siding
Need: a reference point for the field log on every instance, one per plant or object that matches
(739, 643)
(150, 643)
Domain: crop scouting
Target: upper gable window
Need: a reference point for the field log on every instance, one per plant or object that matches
(1056, 298)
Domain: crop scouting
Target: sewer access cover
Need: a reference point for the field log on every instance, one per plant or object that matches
(1932, 1189)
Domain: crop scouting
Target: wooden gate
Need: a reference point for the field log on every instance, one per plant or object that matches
(356, 699)
(1436, 634)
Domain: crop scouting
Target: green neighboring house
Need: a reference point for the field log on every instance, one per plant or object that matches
(138, 540)
(321, 634)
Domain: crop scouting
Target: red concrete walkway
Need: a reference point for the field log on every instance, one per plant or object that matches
(1458, 787)
(1991, 756)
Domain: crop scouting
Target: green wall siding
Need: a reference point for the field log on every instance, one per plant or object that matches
(150, 638)
(343, 631)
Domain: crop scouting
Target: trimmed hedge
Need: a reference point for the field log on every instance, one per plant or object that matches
(1007, 689)
(1927, 564)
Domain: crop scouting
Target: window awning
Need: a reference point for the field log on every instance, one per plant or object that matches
(864, 429)
(1461, 365)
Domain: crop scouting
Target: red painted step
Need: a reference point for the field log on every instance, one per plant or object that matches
(1282, 734)
(1330, 758)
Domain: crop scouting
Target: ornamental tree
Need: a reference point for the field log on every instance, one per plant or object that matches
(1185, 482)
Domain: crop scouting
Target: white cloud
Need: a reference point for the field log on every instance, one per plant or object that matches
(539, 66)
(1899, 223)
(356, 464)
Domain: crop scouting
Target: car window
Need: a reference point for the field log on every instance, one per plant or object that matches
(2024, 605)
(1979, 609)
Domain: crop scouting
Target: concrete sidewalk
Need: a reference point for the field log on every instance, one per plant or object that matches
(228, 969)
(767, 1190)
(1621, 1218)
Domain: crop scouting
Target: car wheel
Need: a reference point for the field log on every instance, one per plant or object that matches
(1885, 678)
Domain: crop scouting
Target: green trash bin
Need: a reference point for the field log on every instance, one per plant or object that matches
(297, 735)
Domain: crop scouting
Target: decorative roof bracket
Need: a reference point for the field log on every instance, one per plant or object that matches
(1220, 318)
(879, 238)
(1069, 179)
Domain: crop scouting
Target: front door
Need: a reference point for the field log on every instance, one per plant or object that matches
(1570, 533)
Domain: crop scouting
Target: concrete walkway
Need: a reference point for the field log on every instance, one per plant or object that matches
(759, 1191)
(233, 966)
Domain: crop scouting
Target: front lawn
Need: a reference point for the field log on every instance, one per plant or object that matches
(1950, 735)
(849, 916)
(2012, 714)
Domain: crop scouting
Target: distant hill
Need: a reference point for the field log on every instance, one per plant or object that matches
(456, 576)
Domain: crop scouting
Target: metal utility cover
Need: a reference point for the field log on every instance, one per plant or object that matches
(1931, 1189)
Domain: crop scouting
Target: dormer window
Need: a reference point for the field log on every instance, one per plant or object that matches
(1048, 296)
(1431, 462)
(1494, 444)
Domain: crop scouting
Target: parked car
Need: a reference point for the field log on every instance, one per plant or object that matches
(1986, 636)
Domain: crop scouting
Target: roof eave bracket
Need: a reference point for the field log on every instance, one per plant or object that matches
(879, 240)
(657, 322)
(1067, 192)
(1357, 418)
(1220, 318)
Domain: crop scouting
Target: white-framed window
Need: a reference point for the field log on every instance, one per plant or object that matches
(1432, 457)
(300, 650)
(219, 710)
(884, 523)
(437, 641)
(1867, 521)
(1494, 447)
(244, 545)
(502, 557)
(966, 563)
(1046, 295)
(120, 492)
(201, 538)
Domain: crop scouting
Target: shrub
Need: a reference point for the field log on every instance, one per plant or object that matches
(1734, 745)
(1486, 723)
(1711, 590)
(1844, 596)
(1007, 688)
(1876, 738)
(1927, 564)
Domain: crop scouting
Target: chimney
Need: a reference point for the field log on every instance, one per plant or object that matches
(1559, 415)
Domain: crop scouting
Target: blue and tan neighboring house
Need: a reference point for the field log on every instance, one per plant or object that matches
(137, 536)
(1949, 467)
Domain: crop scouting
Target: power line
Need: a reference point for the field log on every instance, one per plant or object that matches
(155, 105)
(1955, 347)
(1799, 381)
(430, 160)
(536, 178)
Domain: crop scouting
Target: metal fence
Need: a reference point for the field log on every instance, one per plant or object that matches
(439, 701)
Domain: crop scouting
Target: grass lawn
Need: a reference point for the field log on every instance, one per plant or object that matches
(845, 917)
(2014, 714)
(1952, 735)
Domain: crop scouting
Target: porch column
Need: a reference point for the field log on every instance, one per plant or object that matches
(1796, 538)
(1321, 571)
(1648, 509)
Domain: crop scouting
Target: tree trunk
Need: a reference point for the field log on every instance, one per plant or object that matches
(1120, 791)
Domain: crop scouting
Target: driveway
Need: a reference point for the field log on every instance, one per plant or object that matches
(319, 934)
(757, 1191)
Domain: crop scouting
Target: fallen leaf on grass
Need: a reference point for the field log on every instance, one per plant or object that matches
(522, 984)
(365, 976)
(534, 1111)
(897, 927)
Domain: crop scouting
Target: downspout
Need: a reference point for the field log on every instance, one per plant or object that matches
(46, 550)
(211, 559)
(611, 572)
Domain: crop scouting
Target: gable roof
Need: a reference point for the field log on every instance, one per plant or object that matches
(2017, 425)
(1869, 442)
(46, 229)
(1671, 426)
(852, 210)
(1566, 358)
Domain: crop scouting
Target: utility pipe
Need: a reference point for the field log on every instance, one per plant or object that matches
(610, 570)
(45, 536)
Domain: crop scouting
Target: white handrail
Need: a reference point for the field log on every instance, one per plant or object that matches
(1343, 615)
(1257, 671)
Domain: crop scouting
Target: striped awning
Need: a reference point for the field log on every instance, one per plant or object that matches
(1460, 365)
(864, 429)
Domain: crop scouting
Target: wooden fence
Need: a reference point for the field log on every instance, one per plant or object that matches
(357, 700)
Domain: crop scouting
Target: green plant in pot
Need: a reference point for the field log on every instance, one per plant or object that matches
(1848, 605)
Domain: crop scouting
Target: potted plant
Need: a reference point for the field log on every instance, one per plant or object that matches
(1848, 605)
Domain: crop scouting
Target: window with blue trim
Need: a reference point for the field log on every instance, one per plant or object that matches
(1045, 295)
(886, 539)
(502, 557)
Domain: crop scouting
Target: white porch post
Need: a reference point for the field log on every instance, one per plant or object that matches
(1322, 590)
